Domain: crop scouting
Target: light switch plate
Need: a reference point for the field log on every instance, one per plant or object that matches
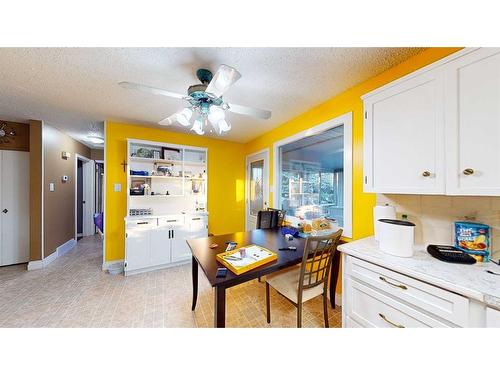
(118, 188)
(52, 186)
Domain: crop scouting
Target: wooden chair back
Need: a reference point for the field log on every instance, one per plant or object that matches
(317, 260)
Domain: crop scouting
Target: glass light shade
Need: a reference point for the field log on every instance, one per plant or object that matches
(224, 126)
(216, 114)
(198, 126)
(96, 139)
(184, 116)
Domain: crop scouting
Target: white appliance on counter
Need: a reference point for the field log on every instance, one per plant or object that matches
(169, 182)
(382, 212)
(397, 237)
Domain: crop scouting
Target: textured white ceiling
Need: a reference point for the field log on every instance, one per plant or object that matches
(75, 88)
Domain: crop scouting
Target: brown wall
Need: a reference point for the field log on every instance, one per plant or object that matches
(96, 154)
(36, 184)
(59, 206)
(21, 140)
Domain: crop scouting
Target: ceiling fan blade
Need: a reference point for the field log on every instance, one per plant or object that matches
(150, 90)
(223, 79)
(170, 120)
(254, 112)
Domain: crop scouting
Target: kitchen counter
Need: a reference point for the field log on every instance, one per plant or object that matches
(146, 217)
(471, 281)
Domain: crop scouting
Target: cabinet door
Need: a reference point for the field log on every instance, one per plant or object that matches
(472, 85)
(198, 227)
(160, 245)
(403, 137)
(180, 249)
(137, 249)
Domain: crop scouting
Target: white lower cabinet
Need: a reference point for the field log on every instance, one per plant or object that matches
(374, 296)
(157, 243)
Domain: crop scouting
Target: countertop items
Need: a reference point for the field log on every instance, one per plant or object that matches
(468, 280)
(142, 217)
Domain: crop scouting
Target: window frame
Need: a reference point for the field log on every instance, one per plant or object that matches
(346, 121)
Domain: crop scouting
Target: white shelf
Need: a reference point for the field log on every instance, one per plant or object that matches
(155, 196)
(177, 162)
(159, 177)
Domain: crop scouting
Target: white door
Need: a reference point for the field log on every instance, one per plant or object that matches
(473, 123)
(180, 249)
(160, 245)
(404, 129)
(257, 186)
(88, 197)
(14, 207)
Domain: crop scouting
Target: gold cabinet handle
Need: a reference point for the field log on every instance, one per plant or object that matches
(468, 171)
(404, 287)
(426, 173)
(391, 323)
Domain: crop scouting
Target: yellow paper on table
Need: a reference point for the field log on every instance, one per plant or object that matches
(254, 256)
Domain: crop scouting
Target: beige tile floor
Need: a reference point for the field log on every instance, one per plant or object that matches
(74, 292)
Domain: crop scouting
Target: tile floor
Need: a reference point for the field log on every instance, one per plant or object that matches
(74, 292)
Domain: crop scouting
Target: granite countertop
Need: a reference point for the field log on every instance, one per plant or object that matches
(145, 217)
(468, 280)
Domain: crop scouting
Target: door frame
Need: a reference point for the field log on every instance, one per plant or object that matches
(265, 177)
(89, 181)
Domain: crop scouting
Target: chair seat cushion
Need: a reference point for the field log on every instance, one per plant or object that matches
(286, 282)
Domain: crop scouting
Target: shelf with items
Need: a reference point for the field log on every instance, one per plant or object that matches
(155, 169)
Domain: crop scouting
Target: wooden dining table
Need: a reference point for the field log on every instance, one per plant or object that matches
(271, 239)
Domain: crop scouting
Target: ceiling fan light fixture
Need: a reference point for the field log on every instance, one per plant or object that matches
(198, 126)
(223, 126)
(216, 114)
(184, 116)
(96, 139)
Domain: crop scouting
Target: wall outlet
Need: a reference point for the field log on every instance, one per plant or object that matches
(118, 188)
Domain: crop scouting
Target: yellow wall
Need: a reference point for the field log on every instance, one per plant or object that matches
(348, 101)
(226, 175)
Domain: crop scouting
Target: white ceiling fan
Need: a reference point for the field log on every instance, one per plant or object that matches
(204, 101)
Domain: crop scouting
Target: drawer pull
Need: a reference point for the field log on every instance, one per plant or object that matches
(426, 173)
(404, 287)
(171, 221)
(142, 222)
(391, 323)
(196, 218)
(468, 171)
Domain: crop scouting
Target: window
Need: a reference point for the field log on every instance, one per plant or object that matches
(312, 173)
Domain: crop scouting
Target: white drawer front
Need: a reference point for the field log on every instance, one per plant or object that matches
(142, 223)
(442, 303)
(492, 318)
(371, 308)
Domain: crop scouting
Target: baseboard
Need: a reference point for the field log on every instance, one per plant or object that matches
(63, 249)
(107, 265)
(157, 267)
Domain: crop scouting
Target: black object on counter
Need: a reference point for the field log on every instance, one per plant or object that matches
(450, 254)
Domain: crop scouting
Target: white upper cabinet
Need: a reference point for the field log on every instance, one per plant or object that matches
(437, 130)
(403, 132)
(472, 89)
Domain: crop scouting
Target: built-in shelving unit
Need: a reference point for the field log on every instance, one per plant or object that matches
(167, 172)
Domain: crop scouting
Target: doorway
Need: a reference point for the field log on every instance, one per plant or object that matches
(257, 186)
(84, 197)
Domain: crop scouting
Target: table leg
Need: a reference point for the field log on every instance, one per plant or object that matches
(194, 267)
(334, 276)
(220, 307)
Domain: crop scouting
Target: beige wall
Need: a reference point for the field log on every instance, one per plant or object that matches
(36, 184)
(434, 215)
(59, 206)
(97, 154)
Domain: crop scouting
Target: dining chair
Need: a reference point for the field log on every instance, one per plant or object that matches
(308, 280)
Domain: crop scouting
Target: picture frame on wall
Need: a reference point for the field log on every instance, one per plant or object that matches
(169, 153)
